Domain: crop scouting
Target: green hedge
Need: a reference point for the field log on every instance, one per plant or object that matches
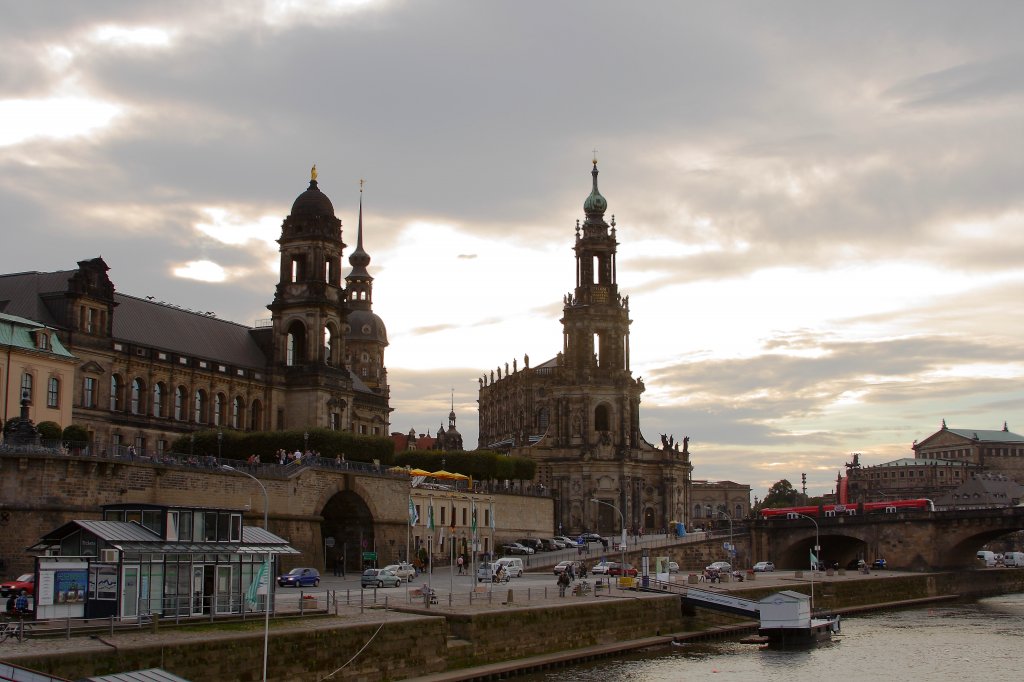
(239, 444)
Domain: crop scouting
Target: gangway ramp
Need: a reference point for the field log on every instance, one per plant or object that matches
(719, 601)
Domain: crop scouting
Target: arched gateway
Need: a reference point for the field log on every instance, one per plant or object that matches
(348, 526)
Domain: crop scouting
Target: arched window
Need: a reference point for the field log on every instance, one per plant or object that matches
(698, 511)
(602, 420)
(737, 513)
(542, 419)
(179, 403)
(115, 392)
(256, 416)
(328, 346)
(295, 344)
(135, 404)
(218, 409)
(236, 412)
(201, 407)
(158, 399)
(53, 393)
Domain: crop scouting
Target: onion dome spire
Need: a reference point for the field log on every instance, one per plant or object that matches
(359, 259)
(595, 205)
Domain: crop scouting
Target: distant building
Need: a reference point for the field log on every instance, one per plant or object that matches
(148, 372)
(577, 415)
(411, 441)
(709, 498)
(983, 491)
(942, 462)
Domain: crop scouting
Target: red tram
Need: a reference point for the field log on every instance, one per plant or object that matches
(858, 509)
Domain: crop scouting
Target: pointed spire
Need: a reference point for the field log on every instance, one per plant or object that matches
(943, 424)
(359, 259)
(595, 205)
(1005, 427)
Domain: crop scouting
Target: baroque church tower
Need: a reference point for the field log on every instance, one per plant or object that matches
(577, 415)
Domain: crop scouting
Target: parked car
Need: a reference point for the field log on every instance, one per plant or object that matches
(561, 567)
(567, 541)
(553, 544)
(878, 563)
(856, 565)
(617, 569)
(379, 577)
(600, 568)
(402, 570)
(673, 567)
(764, 567)
(594, 537)
(533, 543)
(299, 577)
(25, 582)
(492, 572)
(516, 548)
(511, 565)
(720, 566)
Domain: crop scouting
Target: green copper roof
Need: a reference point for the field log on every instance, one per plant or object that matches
(17, 332)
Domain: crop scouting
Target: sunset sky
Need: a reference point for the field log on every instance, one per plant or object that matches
(819, 205)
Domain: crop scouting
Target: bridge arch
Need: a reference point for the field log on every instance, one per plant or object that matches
(348, 519)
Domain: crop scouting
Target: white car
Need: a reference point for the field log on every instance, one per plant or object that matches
(764, 567)
(720, 566)
(403, 570)
(601, 568)
(673, 567)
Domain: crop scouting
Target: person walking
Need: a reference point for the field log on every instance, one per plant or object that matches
(461, 563)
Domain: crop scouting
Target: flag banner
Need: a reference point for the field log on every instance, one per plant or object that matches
(814, 561)
(258, 585)
(473, 526)
(414, 516)
(430, 517)
(452, 523)
(492, 517)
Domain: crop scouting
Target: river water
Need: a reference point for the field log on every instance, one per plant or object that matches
(982, 640)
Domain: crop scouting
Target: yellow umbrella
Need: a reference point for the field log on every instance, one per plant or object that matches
(399, 470)
(444, 474)
(419, 472)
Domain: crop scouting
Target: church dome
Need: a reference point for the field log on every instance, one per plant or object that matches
(364, 325)
(312, 202)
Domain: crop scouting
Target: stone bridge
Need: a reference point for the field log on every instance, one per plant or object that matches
(359, 506)
(906, 540)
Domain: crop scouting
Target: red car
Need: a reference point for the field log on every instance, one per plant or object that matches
(616, 569)
(25, 582)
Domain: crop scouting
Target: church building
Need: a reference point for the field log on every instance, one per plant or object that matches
(148, 372)
(578, 414)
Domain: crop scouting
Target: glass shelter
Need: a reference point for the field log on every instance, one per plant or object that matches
(142, 559)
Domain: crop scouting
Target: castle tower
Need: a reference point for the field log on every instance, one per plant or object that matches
(308, 316)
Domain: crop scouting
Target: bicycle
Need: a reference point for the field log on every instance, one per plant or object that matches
(18, 629)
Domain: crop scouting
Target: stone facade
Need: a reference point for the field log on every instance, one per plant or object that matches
(150, 371)
(578, 414)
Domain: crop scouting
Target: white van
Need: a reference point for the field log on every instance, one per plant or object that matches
(986, 557)
(1013, 559)
(512, 565)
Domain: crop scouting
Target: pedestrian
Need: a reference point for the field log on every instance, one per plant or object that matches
(571, 572)
(21, 603)
(337, 565)
(460, 561)
(563, 582)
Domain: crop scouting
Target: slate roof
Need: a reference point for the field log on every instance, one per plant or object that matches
(133, 537)
(989, 435)
(150, 675)
(16, 332)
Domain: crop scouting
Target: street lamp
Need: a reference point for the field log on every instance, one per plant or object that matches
(732, 547)
(266, 615)
(622, 518)
(220, 440)
(817, 548)
(305, 443)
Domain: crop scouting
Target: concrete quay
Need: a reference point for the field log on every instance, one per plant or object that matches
(462, 641)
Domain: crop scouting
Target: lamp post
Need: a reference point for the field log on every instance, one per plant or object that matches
(220, 440)
(305, 443)
(266, 614)
(732, 547)
(817, 548)
(622, 519)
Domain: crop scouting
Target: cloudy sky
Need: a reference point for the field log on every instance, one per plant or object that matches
(819, 205)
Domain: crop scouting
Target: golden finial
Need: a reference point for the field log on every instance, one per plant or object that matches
(595, 156)
(361, 183)
(312, 173)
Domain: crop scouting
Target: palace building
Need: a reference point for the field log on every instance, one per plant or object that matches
(147, 372)
(578, 414)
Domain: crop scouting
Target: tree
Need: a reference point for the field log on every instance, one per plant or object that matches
(49, 430)
(781, 494)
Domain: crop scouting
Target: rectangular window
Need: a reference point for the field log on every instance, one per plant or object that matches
(236, 528)
(211, 526)
(26, 386)
(89, 320)
(442, 515)
(53, 393)
(185, 526)
(161, 356)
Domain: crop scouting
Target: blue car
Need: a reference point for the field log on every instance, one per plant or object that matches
(299, 577)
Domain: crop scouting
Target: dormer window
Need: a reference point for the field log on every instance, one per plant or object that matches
(42, 340)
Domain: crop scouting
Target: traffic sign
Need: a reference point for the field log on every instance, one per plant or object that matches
(369, 556)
